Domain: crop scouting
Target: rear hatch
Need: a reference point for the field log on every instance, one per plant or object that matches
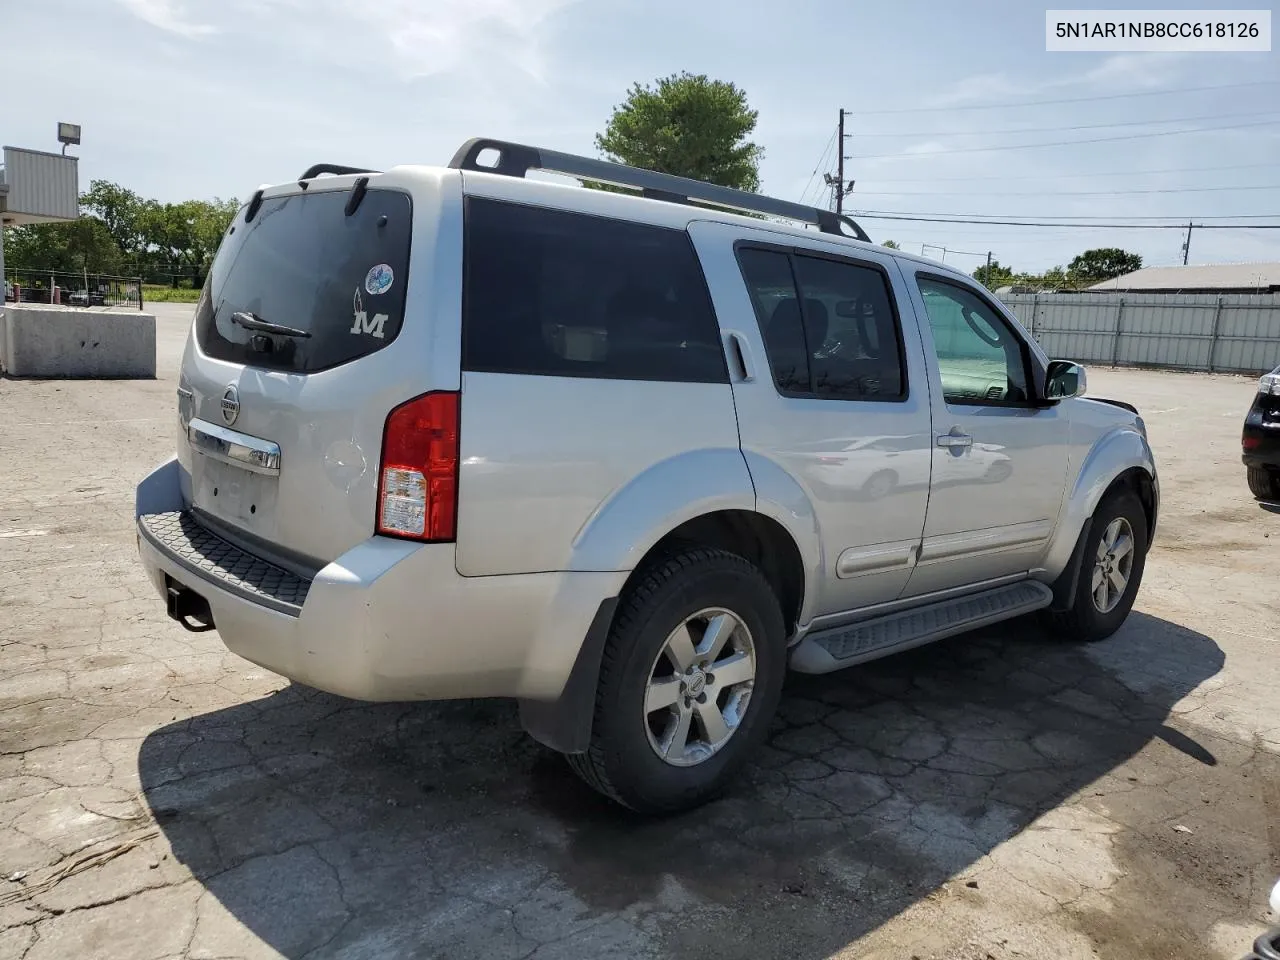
(297, 355)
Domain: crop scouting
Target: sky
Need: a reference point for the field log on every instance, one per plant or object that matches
(184, 99)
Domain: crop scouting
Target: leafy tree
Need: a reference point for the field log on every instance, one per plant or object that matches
(121, 210)
(84, 244)
(891, 244)
(1094, 266)
(687, 125)
(120, 232)
(993, 275)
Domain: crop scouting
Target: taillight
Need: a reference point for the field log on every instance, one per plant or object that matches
(1250, 443)
(418, 476)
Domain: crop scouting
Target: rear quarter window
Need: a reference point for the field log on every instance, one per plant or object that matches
(554, 293)
(301, 262)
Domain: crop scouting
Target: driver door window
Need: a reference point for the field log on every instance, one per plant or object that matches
(979, 356)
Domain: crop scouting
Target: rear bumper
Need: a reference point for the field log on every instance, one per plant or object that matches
(388, 620)
(1262, 446)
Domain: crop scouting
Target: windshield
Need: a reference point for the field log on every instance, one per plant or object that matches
(301, 264)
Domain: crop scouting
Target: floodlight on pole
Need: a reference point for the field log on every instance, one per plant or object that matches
(68, 135)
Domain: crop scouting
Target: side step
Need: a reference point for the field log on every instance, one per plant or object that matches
(833, 649)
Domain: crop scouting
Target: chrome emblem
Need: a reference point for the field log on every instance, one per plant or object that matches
(230, 404)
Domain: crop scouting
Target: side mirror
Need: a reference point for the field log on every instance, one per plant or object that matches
(1065, 379)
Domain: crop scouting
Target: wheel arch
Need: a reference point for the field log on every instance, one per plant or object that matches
(565, 724)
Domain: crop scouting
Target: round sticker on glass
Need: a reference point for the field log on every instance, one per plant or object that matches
(379, 279)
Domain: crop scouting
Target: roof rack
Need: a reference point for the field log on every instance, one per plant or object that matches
(334, 168)
(516, 160)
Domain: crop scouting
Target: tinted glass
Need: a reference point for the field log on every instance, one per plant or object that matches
(838, 338)
(564, 294)
(302, 263)
(773, 294)
(852, 331)
(979, 355)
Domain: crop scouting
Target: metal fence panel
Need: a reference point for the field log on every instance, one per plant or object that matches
(1235, 333)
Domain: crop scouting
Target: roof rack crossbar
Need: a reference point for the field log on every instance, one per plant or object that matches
(335, 168)
(516, 160)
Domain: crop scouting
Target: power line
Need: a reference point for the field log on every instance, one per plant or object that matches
(1045, 103)
(981, 217)
(1062, 193)
(1075, 176)
(821, 163)
(971, 132)
(962, 218)
(1064, 143)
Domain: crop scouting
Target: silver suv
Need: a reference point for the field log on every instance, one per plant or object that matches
(456, 432)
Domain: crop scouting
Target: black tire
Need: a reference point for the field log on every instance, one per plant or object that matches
(620, 762)
(1264, 484)
(1084, 622)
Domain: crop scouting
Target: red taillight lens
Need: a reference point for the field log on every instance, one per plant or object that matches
(418, 476)
(1250, 443)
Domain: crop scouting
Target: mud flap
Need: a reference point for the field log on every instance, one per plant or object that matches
(564, 724)
(1064, 588)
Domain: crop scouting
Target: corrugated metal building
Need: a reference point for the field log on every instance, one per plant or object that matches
(38, 187)
(1216, 278)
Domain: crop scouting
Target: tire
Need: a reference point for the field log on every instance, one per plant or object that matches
(1088, 621)
(623, 761)
(1264, 484)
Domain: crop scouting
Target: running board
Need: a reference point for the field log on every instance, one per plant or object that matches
(833, 649)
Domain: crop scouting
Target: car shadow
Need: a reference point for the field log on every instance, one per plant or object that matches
(332, 828)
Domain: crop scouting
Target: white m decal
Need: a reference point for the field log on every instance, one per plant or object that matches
(365, 323)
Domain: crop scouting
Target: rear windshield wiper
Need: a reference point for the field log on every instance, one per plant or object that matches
(251, 321)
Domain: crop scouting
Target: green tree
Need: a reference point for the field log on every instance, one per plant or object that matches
(187, 234)
(993, 275)
(1094, 266)
(121, 210)
(687, 125)
(84, 244)
(891, 244)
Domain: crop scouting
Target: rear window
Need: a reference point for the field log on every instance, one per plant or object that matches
(303, 263)
(570, 295)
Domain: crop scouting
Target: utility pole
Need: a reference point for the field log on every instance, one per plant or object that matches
(989, 252)
(837, 183)
(1186, 247)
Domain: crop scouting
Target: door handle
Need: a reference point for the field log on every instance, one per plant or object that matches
(955, 440)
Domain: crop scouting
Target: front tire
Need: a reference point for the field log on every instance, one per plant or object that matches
(1111, 568)
(689, 681)
(1264, 484)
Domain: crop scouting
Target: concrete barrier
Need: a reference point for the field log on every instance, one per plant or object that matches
(39, 340)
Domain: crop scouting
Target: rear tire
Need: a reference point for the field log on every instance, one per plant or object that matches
(1264, 484)
(708, 596)
(1111, 568)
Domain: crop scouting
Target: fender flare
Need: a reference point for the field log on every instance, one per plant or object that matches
(637, 515)
(1116, 453)
(625, 528)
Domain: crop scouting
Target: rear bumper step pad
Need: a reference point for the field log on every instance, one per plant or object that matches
(213, 559)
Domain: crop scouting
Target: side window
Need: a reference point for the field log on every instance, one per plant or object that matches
(773, 294)
(855, 350)
(837, 337)
(979, 355)
(553, 293)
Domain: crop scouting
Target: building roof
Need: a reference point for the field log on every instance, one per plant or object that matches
(1246, 277)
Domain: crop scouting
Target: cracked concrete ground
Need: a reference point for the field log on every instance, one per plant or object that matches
(991, 797)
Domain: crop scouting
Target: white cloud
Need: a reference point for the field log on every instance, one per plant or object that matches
(168, 15)
(415, 38)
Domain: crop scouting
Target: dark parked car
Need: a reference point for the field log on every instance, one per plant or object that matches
(1261, 439)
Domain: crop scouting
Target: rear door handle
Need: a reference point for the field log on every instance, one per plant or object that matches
(955, 440)
(740, 355)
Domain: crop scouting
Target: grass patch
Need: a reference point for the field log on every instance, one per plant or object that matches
(158, 293)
